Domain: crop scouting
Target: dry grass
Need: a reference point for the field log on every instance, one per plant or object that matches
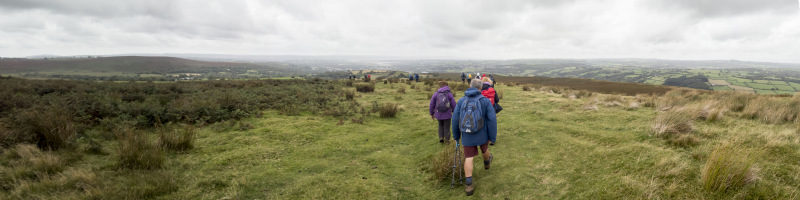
(136, 151)
(673, 122)
(180, 140)
(365, 87)
(728, 168)
(442, 163)
(349, 94)
(771, 110)
(388, 110)
(52, 126)
(590, 105)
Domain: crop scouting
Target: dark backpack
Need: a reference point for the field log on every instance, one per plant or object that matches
(471, 115)
(442, 104)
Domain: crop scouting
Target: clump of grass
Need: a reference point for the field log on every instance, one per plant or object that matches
(728, 168)
(401, 90)
(711, 111)
(683, 140)
(525, 87)
(590, 105)
(348, 83)
(385, 81)
(388, 110)
(365, 87)
(442, 163)
(51, 126)
(179, 140)
(398, 97)
(413, 86)
(135, 151)
(673, 122)
(31, 160)
(646, 100)
(349, 94)
(770, 110)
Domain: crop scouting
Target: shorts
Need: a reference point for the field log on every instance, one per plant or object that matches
(472, 151)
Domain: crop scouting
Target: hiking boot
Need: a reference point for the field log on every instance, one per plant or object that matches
(470, 188)
(491, 143)
(441, 140)
(488, 163)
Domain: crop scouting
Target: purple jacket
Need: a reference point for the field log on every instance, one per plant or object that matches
(435, 97)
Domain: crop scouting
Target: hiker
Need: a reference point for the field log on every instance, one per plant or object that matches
(478, 76)
(369, 77)
(416, 76)
(441, 109)
(479, 126)
(469, 80)
(463, 76)
(487, 90)
(410, 77)
(491, 78)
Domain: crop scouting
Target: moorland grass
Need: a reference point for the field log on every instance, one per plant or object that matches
(548, 148)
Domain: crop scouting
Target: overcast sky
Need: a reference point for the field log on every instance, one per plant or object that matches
(756, 30)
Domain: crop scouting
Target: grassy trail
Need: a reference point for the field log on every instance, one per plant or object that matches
(548, 148)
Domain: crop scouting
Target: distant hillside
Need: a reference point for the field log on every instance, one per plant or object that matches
(607, 87)
(130, 64)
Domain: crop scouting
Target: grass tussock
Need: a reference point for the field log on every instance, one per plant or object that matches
(179, 140)
(388, 110)
(771, 110)
(590, 105)
(673, 122)
(30, 161)
(728, 168)
(50, 127)
(442, 163)
(136, 151)
(526, 88)
(401, 90)
(365, 87)
(349, 94)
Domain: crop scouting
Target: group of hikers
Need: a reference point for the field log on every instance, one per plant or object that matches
(473, 120)
(468, 77)
(353, 76)
(412, 77)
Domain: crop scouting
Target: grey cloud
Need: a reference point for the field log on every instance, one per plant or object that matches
(717, 8)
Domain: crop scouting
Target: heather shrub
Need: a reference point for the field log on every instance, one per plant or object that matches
(728, 168)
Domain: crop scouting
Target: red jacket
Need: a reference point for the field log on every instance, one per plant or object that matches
(489, 94)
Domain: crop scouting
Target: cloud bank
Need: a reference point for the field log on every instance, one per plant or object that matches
(767, 30)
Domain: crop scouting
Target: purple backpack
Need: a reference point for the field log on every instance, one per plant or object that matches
(442, 104)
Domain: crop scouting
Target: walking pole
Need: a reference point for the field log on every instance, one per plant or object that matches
(455, 158)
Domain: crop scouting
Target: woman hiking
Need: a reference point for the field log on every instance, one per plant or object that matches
(441, 109)
(488, 91)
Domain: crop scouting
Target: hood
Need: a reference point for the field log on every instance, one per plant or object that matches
(442, 89)
(471, 92)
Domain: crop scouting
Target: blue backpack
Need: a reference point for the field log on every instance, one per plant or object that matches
(471, 115)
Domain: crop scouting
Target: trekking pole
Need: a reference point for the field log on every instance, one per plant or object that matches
(455, 157)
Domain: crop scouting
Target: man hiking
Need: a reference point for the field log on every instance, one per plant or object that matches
(474, 119)
(463, 77)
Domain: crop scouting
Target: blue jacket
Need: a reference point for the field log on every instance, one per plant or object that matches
(487, 133)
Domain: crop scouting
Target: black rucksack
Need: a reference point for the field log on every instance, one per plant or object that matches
(442, 104)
